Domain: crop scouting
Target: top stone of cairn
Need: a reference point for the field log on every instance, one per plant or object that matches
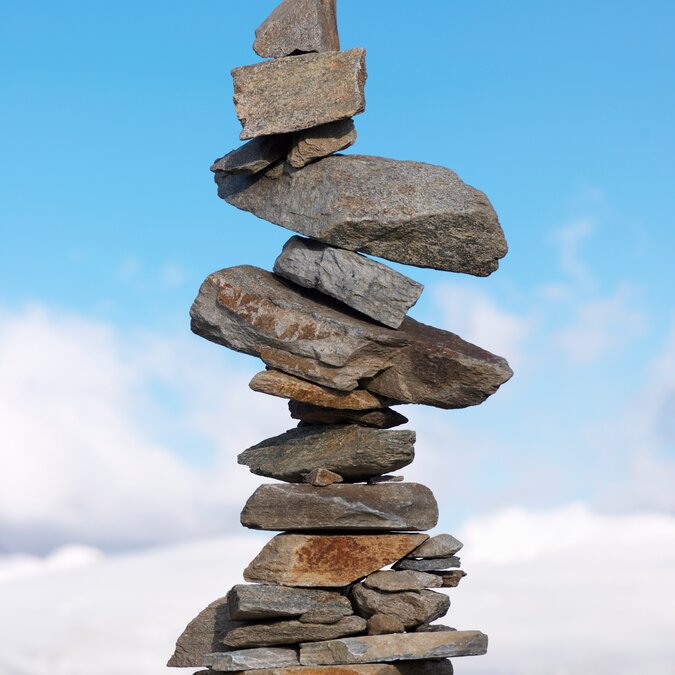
(298, 26)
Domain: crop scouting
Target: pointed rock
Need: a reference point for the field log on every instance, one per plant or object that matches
(428, 565)
(313, 144)
(408, 580)
(254, 156)
(322, 477)
(298, 26)
(251, 659)
(440, 546)
(309, 415)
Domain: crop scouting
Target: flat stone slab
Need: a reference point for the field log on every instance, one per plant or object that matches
(440, 546)
(251, 659)
(450, 578)
(381, 418)
(354, 452)
(383, 507)
(409, 212)
(273, 633)
(253, 602)
(255, 312)
(407, 580)
(406, 647)
(299, 92)
(298, 26)
(254, 156)
(428, 565)
(327, 560)
(312, 144)
(436, 667)
(363, 284)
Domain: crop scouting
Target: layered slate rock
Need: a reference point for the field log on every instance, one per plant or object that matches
(409, 212)
(251, 659)
(252, 311)
(254, 156)
(429, 564)
(327, 560)
(391, 581)
(367, 286)
(354, 452)
(435, 667)
(450, 578)
(298, 26)
(383, 418)
(383, 648)
(299, 92)
(312, 144)
(440, 546)
(383, 507)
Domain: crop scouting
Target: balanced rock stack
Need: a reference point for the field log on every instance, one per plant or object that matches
(330, 325)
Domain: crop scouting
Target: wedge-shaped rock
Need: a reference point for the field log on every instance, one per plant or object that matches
(283, 385)
(203, 635)
(261, 601)
(410, 212)
(323, 477)
(383, 507)
(251, 659)
(450, 578)
(413, 608)
(252, 311)
(382, 418)
(429, 564)
(298, 26)
(312, 144)
(273, 633)
(355, 452)
(327, 560)
(408, 580)
(254, 156)
(406, 647)
(299, 92)
(436, 667)
(363, 284)
(440, 546)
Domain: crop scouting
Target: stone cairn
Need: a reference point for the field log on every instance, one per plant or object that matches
(331, 327)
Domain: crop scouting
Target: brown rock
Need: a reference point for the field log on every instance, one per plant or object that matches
(312, 144)
(251, 659)
(310, 415)
(327, 560)
(433, 628)
(254, 156)
(323, 477)
(450, 578)
(392, 581)
(435, 667)
(299, 92)
(383, 624)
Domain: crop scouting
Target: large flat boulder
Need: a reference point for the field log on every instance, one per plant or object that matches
(409, 212)
(251, 659)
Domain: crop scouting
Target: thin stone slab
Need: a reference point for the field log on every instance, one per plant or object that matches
(450, 578)
(255, 312)
(408, 580)
(299, 92)
(413, 608)
(269, 634)
(354, 452)
(254, 156)
(428, 565)
(298, 26)
(440, 546)
(251, 659)
(253, 602)
(363, 284)
(409, 212)
(382, 418)
(328, 561)
(406, 647)
(433, 628)
(283, 385)
(383, 507)
(312, 144)
(435, 667)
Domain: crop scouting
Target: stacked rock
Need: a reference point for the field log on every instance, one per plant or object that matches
(330, 325)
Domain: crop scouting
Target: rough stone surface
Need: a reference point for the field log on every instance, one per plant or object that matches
(254, 156)
(413, 608)
(283, 385)
(327, 560)
(252, 311)
(428, 565)
(203, 635)
(312, 144)
(383, 624)
(251, 659)
(298, 26)
(407, 647)
(323, 477)
(440, 546)
(433, 628)
(291, 632)
(450, 578)
(253, 602)
(409, 212)
(363, 284)
(435, 667)
(299, 92)
(407, 580)
(326, 615)
(384, 507)
(355, 452)
(310, 415)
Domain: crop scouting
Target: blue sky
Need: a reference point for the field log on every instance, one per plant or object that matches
(563, 113)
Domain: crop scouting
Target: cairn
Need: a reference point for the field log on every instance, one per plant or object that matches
(330, 326)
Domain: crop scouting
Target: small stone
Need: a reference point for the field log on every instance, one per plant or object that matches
(391, 581)
(435, 667)
(354, 452)
(251, 659)
(440, 546)
(363, 284)
(382, 624)
(254, 156)
(311, 415)
(433, 628)
(430, 565)
(450, 578)
(385, 479)
(327, 616)
(323, 477)
(327, 561)
(298, 26)
(312, 144)
(299, 92)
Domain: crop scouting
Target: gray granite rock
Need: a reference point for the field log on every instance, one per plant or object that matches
(251, 659)
(450, 578)
(322, 477)
(310, 415)
(383, 648)
(383, 624)
(252, 311)
(312, 144)
(428, 565)
(253, 602)
(408, 580)
(440, 546)
(413, 608)
(409, 212)
(254, 156)
(384, 507)
(354, 452)
(298, 26)
(299, 92)
(363, 284)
